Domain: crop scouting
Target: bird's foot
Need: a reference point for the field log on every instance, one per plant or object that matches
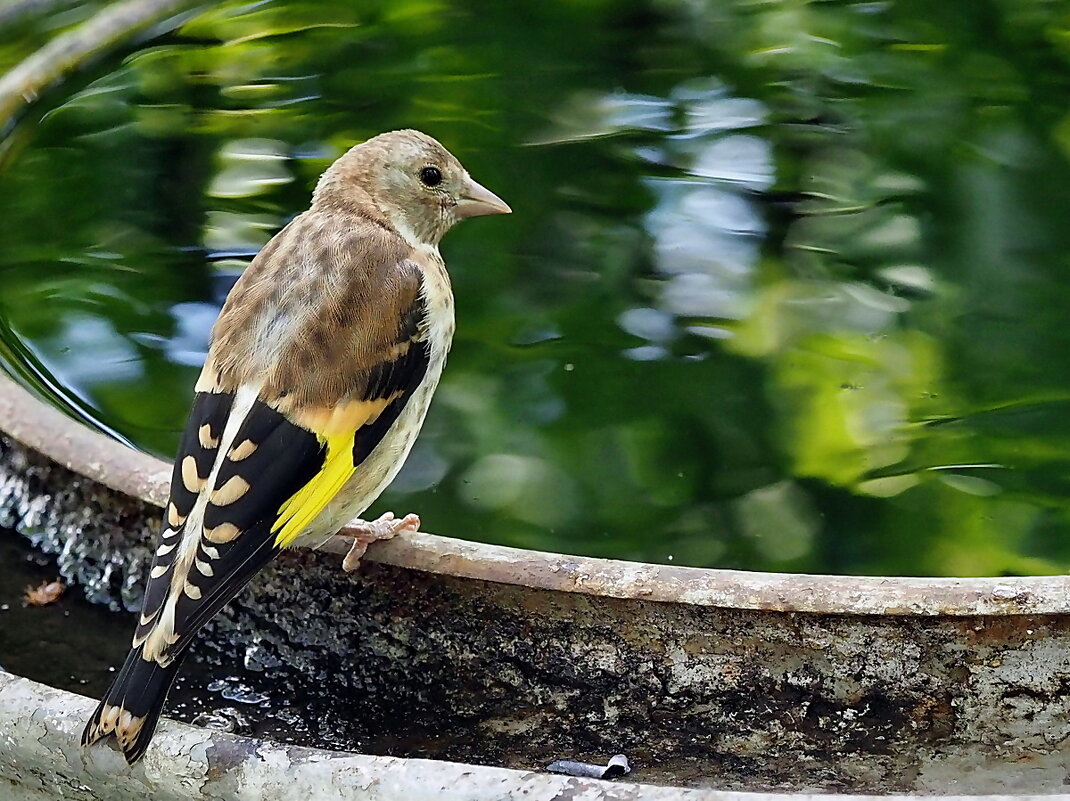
(365, 532)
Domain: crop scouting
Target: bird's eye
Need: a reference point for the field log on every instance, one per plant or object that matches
(431, 176)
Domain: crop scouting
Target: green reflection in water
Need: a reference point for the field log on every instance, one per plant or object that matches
(785, 286)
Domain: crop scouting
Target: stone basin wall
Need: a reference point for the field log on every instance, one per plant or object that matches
(410, 662)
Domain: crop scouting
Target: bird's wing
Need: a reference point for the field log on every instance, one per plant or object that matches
(258, 462)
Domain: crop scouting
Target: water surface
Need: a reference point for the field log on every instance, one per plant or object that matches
(785, 287)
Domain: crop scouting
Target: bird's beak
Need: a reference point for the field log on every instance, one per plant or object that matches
(477, 200)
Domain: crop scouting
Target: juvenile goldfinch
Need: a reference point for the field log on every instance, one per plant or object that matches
(322, 366)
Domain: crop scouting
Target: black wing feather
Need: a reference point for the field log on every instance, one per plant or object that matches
(209, 409)
(286, 458)
(404, 375)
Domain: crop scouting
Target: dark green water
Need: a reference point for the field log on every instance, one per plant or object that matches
(786, 287)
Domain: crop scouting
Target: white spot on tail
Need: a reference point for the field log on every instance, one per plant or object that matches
(163, 634)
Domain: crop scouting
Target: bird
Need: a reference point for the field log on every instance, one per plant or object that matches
(320, 371)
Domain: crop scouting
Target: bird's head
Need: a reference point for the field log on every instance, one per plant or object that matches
(412, 180)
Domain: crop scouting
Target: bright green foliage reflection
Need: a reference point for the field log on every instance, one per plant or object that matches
(786, 286)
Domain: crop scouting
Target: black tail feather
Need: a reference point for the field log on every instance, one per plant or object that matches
(131, 707)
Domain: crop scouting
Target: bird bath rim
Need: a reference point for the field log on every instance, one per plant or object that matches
(68, 442)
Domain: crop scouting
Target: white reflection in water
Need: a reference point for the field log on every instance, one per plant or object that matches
(712, 114)
(90, 351)
(811, 306)
(653, 324)
(589, 115)
(645, 353)
(913, 277)
(743, 160)
(702, 228)
(193, 327)
(700, 295)
(707, 239)
(707, 233)
(236, 231)
(250, 167)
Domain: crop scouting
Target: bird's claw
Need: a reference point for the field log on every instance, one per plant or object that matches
(365, 532)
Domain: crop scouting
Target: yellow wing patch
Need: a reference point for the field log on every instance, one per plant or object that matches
(305, 504)
(336, 427)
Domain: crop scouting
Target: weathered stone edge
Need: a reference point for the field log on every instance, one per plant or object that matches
(73, 445)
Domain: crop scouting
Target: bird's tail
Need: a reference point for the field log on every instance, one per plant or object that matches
(131, 707)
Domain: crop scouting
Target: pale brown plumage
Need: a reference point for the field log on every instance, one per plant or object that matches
(322, 366)
(344, 322)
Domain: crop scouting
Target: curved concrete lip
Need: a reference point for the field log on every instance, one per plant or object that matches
(139, 475)
(41, 726)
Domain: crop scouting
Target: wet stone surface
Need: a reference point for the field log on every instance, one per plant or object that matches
(413, 664)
